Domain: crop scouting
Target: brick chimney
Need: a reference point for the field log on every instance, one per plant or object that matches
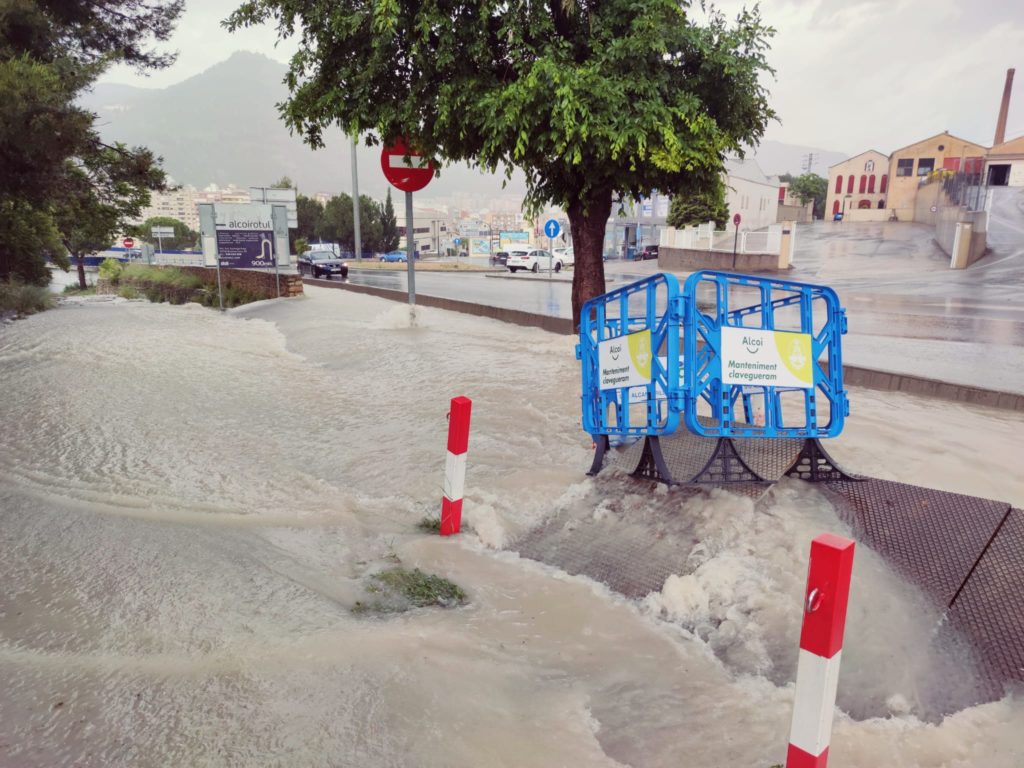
(1004, 109)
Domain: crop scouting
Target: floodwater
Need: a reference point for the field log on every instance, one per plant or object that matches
(190, 504)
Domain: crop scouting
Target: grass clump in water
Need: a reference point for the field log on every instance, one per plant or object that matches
(429, 524)
(399, 589)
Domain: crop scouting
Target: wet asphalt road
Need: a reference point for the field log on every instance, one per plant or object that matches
(892, 277)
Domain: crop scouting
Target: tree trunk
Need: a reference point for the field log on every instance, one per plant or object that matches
(588, 218)
(80, 260)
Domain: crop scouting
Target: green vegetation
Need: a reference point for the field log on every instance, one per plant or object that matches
(161, 283)
(63, 190)
(111, 269)
(595, 102)
(171, 284)
(807, 187)
(700, 199)
(24, 299)
(399, 589)
(183, 238)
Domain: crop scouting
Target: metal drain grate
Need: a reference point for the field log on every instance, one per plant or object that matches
(990, 608)
(932, 537)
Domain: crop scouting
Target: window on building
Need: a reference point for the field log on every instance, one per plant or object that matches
(885, 183)
(925, 166)
(849, 185)
(871, 184)
(905, 167)
(835, 207)
(863, 183)
(839, 184)
(881, 204)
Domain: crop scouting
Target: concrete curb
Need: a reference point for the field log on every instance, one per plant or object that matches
(853, 375)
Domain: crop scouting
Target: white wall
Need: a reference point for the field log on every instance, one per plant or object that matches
(1017, 174)
(756, 203)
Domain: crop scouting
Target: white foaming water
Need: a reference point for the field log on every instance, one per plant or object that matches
(189, 503)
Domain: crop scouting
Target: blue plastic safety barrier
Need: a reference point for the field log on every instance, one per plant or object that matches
(629, 348)
(730, 356)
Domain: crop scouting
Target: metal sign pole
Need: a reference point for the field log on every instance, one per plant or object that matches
(551, 256)
(220, 289)
(277, 275)
(410, 251)
(735, 241)
(355, 203)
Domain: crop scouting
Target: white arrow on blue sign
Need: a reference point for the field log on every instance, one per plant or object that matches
(552, 228)
(457, 241)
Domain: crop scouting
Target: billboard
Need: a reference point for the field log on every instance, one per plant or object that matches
(245, 235)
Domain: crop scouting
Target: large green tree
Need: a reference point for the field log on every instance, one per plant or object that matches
(700, 199)
(593, 99)
(370, 228)
(310, 221)
(50, 50)
(182, 239)
(808, 187)
(388, 226)
(337, 225)
(104, 191)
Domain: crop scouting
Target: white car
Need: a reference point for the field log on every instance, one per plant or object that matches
(565, 256)
(534, 260)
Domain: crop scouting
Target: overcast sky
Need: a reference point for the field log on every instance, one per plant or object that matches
(851, 75)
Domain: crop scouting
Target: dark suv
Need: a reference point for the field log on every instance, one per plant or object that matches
(499, 259)
(649, 252)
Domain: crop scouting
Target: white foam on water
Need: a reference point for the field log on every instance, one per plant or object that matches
(190, 504)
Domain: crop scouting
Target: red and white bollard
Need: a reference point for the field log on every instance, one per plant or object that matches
(455, 465)
(821, 646)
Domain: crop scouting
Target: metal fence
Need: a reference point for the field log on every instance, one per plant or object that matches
(178, 259)
(965, 190)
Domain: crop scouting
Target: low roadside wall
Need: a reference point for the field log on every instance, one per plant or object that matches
(689, 260)
(257, 282)
(254, 281)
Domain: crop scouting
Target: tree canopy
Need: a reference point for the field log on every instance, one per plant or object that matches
(700, 200)
(55, 167)
(592, 99)
(808, 187)
(184, 237)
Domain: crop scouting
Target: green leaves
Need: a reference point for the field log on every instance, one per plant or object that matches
(589, 100)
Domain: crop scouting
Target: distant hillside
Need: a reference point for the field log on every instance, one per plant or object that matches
(222, 126)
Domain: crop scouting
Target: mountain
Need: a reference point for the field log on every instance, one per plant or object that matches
(222, 126)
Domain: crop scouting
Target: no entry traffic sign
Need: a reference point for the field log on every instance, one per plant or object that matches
(737, 219)
(410, 176)
(128, 242)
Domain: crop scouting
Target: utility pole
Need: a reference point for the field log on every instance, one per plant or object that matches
(355, 200)
(809, 159)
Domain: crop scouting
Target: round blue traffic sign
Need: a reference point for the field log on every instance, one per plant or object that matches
(552, 228)
(457, 241)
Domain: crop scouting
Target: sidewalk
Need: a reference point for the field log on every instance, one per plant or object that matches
(978, 374)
